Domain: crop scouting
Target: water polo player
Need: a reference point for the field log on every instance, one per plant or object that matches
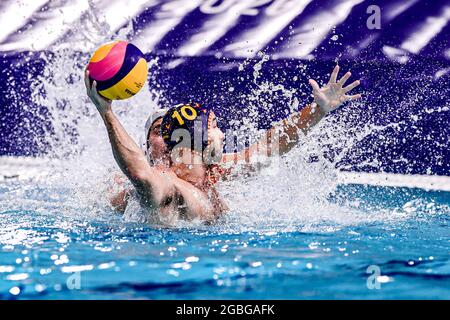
(181, 191)
(192, 178)
(158, 152)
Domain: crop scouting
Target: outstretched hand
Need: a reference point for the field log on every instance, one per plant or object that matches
(103, 105)
(332, 95)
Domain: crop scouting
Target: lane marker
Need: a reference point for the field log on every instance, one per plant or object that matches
(24, 168)
(427, 182)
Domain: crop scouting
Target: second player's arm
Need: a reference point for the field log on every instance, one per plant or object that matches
(284, 135)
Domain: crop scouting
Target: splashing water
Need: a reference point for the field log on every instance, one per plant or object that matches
(285, 197)
(87, 153)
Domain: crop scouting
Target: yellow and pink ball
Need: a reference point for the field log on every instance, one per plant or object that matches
(120, 70)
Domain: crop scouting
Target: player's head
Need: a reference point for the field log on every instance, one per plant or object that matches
(193, 127)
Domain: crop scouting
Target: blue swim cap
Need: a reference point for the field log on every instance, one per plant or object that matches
(186, 125)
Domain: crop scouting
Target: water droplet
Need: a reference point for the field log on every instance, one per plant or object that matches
(14, 291)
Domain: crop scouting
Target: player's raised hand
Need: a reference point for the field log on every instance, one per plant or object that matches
(103, 105)
(333, 94)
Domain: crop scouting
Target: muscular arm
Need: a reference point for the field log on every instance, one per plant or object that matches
(149, 182)
(282, 137)
(285, 134)
(288, 129)
(127, 154)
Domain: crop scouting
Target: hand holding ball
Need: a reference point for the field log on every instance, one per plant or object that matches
(120, 70)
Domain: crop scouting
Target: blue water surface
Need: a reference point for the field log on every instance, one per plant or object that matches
(46, 254)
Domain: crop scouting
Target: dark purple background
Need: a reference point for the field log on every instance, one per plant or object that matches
(393, 91)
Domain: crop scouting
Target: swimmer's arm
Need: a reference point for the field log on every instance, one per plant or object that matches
(285, 134)
(281, 138)
(149, 182)
(326, 99)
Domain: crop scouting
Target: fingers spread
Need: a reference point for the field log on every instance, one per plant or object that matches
(351, 86)
(334, 74)
(344, 78)
(354, 97)
(314, 84)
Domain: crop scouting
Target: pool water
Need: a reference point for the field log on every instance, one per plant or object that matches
(50, 249)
